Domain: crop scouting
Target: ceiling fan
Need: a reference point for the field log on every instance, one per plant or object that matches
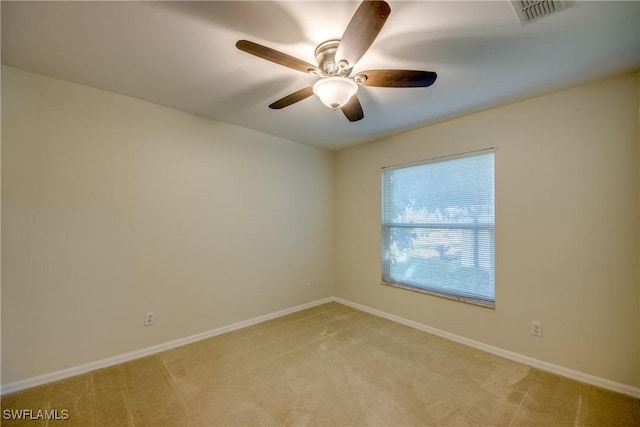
(336, 59)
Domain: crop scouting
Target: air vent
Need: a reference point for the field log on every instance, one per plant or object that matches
(532, 10)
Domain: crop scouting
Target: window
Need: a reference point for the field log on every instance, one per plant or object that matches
(438, 227)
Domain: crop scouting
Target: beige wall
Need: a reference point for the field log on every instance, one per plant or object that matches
(112, 207)
(567, 224)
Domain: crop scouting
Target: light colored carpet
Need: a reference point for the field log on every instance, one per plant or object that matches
(328, 365)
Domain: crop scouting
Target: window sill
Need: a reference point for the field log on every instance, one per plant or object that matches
(468, 300)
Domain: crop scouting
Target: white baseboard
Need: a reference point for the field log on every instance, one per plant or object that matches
(110, 361)
(549, 367)
(99, 364)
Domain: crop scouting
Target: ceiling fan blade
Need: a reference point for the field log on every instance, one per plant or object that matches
(296, 96)
(275, 56)
(353, 110)
(362, 30)
(396, 78)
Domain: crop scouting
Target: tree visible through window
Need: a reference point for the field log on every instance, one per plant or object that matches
(438, 225)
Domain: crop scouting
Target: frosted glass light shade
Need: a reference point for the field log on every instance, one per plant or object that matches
(335, 91)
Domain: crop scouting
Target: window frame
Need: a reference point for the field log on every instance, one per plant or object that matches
(476, 227)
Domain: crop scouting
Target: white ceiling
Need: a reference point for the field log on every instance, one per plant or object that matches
(183, 55)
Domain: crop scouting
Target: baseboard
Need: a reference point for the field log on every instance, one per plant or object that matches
(530, 361)
(104, 363)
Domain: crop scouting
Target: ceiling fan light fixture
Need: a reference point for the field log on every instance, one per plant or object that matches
(336, 58)
(335, 91)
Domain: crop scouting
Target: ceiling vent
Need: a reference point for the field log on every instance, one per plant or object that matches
(532, 10)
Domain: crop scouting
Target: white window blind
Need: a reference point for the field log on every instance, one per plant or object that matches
(438, 225)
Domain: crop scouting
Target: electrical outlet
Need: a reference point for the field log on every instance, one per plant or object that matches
(149, 318)
(536, 328)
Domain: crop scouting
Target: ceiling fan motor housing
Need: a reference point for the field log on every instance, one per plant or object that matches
(326, 58)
